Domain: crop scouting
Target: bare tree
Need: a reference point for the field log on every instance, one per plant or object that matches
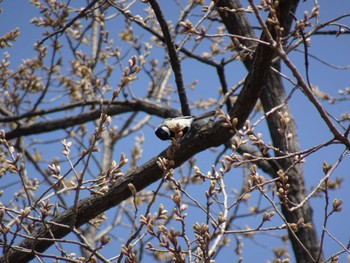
(73, 138)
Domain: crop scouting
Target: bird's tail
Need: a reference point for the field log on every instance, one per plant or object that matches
(205, 115)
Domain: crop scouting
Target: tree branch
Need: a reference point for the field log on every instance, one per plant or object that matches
(174, 58)
(115, 109)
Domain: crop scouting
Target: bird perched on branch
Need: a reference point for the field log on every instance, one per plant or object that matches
(178, 127)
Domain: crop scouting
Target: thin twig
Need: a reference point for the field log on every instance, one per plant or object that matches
(222, 227)
(81, 14)
(345, 249)
(287, 224)
(329, 173)
(209, 10)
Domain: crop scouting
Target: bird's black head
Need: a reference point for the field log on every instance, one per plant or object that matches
(164, 133)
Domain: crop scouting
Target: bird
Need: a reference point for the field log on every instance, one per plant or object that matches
(173, 127)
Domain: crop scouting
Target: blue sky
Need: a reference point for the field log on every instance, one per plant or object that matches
(311, 129)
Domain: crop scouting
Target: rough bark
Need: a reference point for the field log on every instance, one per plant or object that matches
(274, 95)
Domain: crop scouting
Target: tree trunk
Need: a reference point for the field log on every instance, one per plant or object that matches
(274, 95)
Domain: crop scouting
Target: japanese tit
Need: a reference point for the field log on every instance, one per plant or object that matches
(167, 129)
